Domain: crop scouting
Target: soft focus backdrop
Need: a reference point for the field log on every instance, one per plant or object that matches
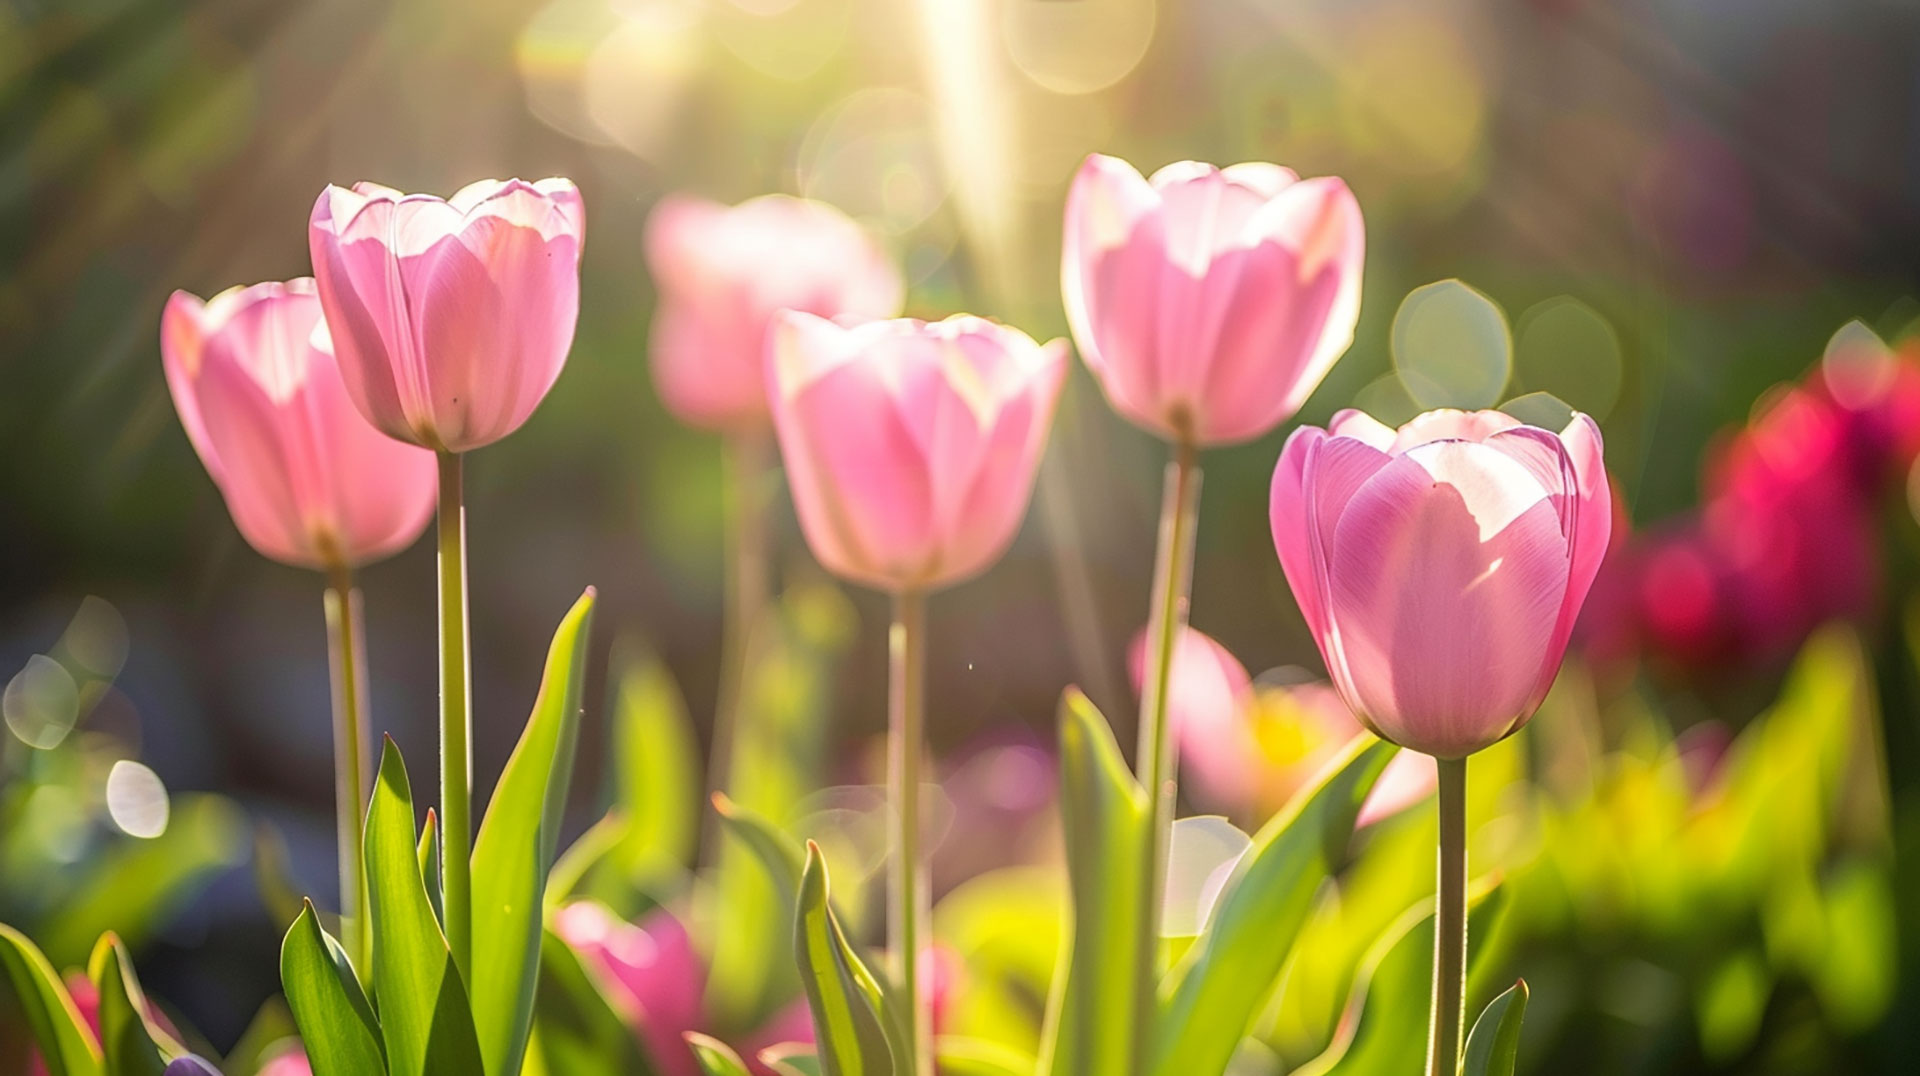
(1674, 203)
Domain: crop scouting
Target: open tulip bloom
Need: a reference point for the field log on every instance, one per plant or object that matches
(451, 318)
(308, 481)
(911, 449)
(1440, 568)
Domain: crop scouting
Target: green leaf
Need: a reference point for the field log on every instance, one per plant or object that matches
(1493, 1046)
(576, 1031)
(428, 851)
(574, 864)
(1218, 987)
(66, 1045)
(342, 1036)
(795, 1059)
(1092, 1015)
(1393, 992)
(657, 776)
(851, 1020)
(716, 1058)
(516, 845)
(979, 1057)
(424, 1019)
(778, 852)
(126, 1042)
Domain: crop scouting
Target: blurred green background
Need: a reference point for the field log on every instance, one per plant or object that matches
(1674, 204)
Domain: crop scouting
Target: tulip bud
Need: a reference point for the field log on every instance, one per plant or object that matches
(1210, 302)
(451, 318)
(723, 272)
(911, 447)
(309, 483)
(1440, 567)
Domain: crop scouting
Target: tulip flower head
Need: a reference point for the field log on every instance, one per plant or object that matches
(723, 272)
(451, 318)
(308, 481)
(911, 448)
(1210, 302)
(1441, 567)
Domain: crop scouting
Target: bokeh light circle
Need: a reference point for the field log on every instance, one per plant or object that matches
(1451, 346)
(874, 156)
(1079, 47)
(41, 703)
(1567, 348)
(136, 800)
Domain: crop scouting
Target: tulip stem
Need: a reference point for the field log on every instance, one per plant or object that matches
(1450, 923)
(909, 906)
(456, 721)
(346, 654)
(746, 595)
(1155, 760)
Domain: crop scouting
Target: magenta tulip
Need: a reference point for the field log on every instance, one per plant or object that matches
(451, 318)
(1210, 302)
(1440, 567)
(911, 447)
(309, 483)
(723, 272)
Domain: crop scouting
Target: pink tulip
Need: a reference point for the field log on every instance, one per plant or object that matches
(911, 447)
(309, 483)
(451, 318)
(1249, 748)
(1441, 567)
(1210, 302)
(723, 272)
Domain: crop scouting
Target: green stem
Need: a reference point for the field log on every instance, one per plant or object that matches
(1450, 924)
(456, 721)
(907, 898)
(1155, 760)
(346, 654)
(746, 595)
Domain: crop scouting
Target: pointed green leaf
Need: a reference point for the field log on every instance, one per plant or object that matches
(850, 1013)
(584, 854)
(795, 1059)
(716, 1058)
(1217, 988)
(336, 1023)
(428, 851)
(126, 1042)
(576, 1031)
(1493, 1047)
(424, 1019)
(1091, 1026)
(516, 845)
(66, 1045)
(779, 853)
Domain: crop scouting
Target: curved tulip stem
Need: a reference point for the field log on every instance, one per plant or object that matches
(746, 584)
(1450, 923)
(347, 661)
(908, 903)
(1155, 761)
(456, 720)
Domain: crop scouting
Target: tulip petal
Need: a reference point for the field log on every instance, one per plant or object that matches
(1447, 573)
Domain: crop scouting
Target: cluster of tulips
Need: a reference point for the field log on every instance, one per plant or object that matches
(1440, 567)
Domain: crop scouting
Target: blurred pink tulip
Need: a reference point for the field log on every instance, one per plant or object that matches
(451, 318)
(288, 1062)
(1248, 748)
(911, 447)
(1440, 567)
(659, 977)
(723, 272)
(309, 483)
(1210, 302)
